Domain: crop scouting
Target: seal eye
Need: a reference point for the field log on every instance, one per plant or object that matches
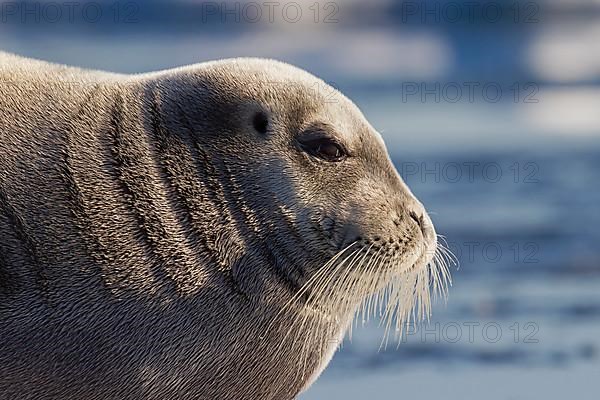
(260, 122)
(324, 148)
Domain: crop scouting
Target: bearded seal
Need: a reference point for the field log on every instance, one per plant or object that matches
(206, 232)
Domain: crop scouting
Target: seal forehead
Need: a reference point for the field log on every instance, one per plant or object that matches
(292, 93)
(248, 74)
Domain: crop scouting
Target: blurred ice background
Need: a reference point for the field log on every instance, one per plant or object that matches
(510, 170)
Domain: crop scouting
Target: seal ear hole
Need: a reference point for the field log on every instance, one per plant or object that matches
(260, 122)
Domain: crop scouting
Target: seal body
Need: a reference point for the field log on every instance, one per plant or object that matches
(152, 227)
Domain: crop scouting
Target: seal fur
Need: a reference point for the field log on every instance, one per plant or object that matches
(164, 236)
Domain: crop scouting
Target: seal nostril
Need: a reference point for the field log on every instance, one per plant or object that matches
(414, 216)
(417, 219)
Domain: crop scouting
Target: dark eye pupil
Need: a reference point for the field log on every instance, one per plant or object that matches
(329, 150)
(323, 148)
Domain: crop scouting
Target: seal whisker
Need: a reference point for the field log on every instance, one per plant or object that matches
(335, 299)
(444, 257)
(304, 315)
(379, 296)
(347, 287)
(316, 294)
(368, 290)
(368, 277)
(324, 285)
(445, 247)
(309, 282)
(435, 269)
(364, 290)
(373, 282)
